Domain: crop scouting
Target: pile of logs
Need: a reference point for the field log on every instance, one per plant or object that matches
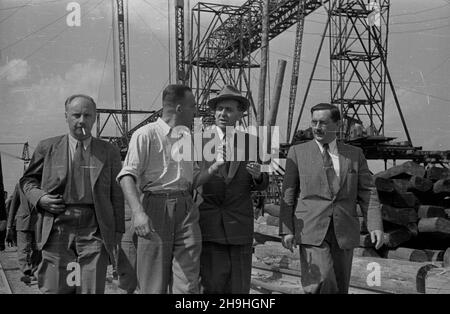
(415, 257)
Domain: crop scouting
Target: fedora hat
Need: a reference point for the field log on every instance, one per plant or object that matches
(228, 92)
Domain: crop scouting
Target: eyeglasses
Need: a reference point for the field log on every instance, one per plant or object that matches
(319, 123)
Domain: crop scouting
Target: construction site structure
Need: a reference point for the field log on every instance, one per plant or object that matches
(225, 39)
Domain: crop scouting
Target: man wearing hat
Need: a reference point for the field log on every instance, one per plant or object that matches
(224, 200)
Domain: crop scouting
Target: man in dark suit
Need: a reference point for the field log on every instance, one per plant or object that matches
(70, 182)
(225, 204)
(324, 180)
(21, 230)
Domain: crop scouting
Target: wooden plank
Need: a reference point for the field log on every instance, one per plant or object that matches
(399, 216)
(264, 229)
(435, 255)
(396, 276)
(446, 259)
(400, 185)
(437, 173)
(408, 254)
(272, 209)
(442, 186)
(283, 277)
(270, 249)
(438, 281)
(405, 170)
(420, 184)
(4, 284)
(365, 252)
(407, 199)
(429, 211)
(394, 238)
(437, 224)
(384, 184)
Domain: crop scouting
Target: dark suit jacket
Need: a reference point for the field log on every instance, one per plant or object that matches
(47, 173)
(307, 203)
(20, 215)
(225, 204)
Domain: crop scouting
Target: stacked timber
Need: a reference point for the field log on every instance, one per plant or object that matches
(415, 257)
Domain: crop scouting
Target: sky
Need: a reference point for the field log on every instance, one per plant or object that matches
(43, 60)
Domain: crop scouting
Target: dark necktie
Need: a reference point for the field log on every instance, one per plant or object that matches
(227, 162)
(333, 180)
(78, 173)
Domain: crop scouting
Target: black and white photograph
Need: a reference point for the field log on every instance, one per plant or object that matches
(226, 152)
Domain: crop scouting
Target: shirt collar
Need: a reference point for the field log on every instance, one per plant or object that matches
(222, 134)
(332, 146)
(164, 126)
(73, 141)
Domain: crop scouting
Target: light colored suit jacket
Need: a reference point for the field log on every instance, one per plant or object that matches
(47, 174)
(307, 204)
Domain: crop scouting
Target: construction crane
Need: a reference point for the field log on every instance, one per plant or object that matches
(221, 51)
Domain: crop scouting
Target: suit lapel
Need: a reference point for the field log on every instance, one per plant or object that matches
(61, 158)
(97, 161)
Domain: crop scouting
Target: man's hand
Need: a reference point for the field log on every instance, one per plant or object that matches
(143, 226)
(288, 241)
(52, 203)
(11, 237)
(255, 170)
(378, 237)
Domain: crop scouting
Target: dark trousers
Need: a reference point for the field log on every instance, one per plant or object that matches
(74, 251)
(225, 268)
(127, 259)
(168, 261)
(28, 254)
(326, 269)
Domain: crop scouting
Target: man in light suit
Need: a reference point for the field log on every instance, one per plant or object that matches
(70, 182)
(225, 204)
(323, 182)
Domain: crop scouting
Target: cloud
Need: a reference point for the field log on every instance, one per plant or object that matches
(82, 78)
(15, 70)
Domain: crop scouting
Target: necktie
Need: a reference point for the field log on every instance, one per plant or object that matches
(333, 180)
(227, 159)
(78, 172)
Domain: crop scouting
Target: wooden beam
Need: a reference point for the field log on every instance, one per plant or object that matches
(429, 211)
(438, 281)
(399, 216)
(436, 173)
(437, 224)
(405, 170)
(408, 254)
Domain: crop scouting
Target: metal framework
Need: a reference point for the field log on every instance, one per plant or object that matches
(123, 49)
(358, 36)
(221, 53)
(179, 37)
(296, 64)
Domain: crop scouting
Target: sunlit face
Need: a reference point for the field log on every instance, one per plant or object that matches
(80, 114)
(323, 127)
(188, 109)
(227, 113)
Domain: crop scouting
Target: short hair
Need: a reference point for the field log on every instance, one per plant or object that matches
(335, 113)
(174, 93)
(71, 98)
